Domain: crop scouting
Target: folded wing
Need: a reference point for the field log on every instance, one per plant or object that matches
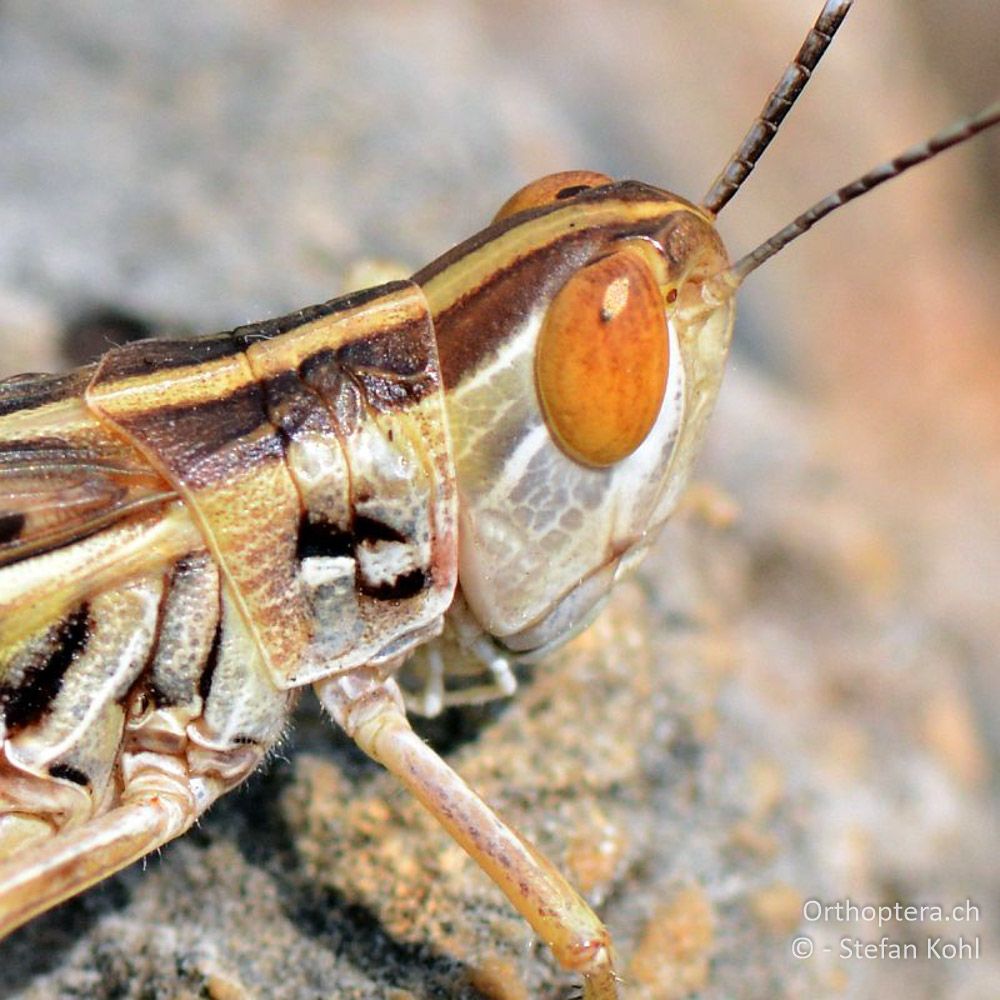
(63, 475)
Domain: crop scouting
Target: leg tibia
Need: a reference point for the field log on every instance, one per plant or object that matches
(577, 938)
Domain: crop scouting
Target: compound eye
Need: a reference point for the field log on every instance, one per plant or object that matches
(551, 189)
(602, 360)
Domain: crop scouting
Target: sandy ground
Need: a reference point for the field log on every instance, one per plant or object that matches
(796, 700)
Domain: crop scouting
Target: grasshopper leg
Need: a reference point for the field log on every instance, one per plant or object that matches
(45, 873)
(161, 800)
(370, 710)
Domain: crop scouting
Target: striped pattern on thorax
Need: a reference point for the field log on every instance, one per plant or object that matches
(483, 288)
(313, 454)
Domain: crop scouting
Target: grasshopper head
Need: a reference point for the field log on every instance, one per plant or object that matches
(582, 338)
(581, 360)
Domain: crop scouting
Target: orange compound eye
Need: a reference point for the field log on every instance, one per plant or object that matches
(548, 190)
(602, 359)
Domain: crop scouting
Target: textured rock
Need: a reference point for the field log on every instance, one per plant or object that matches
(798, 698)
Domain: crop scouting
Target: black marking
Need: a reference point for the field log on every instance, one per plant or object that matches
(367, 529)
(148, 693)
(320, 538)
(572, 191)
(69, 773)
(211, 662)
(27, 703)
(10, 527)
(157, 696)
(402, 588)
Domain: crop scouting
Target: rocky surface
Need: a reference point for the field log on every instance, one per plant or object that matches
(796, 700)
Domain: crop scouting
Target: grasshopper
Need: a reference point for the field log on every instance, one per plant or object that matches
(456, 467)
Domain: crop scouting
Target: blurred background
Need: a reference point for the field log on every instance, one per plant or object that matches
(197, 166)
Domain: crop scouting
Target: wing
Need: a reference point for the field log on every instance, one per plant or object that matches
(63, 475)
(118, 633)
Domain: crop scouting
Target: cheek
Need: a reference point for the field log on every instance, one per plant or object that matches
(602, 360)
(569, 617)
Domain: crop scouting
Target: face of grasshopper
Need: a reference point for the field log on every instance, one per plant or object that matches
(580, 363)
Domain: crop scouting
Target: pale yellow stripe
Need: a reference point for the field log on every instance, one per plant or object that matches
(63, 419)
(275, 357)
(187, 386)
(475, 268)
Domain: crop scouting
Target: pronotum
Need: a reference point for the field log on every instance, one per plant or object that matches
(193, 531)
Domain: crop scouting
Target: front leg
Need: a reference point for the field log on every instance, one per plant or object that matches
(370, 710)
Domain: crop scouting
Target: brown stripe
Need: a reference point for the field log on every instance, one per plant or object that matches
(147, 357)
(27, 392)
(626, 192)
(392, 367)
(393, 351)
(238, 464)
(474, 326)
(186, 436)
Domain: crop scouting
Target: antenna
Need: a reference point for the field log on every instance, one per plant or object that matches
(725, 282)
(778, 104)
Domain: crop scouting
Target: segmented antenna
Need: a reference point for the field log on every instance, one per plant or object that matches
(943, 140)
(778, 104)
